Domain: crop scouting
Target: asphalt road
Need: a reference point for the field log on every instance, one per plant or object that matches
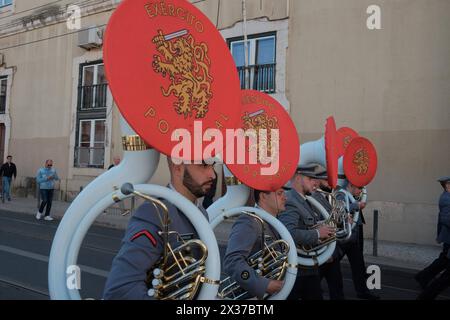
(25, 245)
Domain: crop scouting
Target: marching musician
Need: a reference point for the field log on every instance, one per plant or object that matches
(246, 239)
(331, 270)
(142, 247)
(431, 279)
(351, 248)
(298, 218)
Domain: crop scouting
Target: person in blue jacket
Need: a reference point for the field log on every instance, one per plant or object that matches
(46, 178)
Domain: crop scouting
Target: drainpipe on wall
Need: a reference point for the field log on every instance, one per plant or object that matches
(244, 25)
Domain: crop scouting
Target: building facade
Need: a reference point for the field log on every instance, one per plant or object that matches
(317, 58)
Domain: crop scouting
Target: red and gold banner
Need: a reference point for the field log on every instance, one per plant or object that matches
(277, 145)
(360, 162)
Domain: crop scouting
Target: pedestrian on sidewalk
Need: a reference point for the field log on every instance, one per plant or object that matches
(7, 171)
(431, 285)
(46, 178)
(116, 162)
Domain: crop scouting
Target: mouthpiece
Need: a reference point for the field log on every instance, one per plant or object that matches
(127, 189)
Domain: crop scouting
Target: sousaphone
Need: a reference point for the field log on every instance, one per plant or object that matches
(357, 163)
(167, 68)
(276, 159)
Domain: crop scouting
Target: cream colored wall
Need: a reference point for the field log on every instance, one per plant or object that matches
(40, 100)
(230, 11)
(26, 5)
(393, 76)
(392, 86)
(42, 96)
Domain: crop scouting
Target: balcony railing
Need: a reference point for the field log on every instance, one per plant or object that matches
(261, 77)
(92, 97)
(89, 157)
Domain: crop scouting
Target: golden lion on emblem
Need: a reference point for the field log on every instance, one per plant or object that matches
(187, 66)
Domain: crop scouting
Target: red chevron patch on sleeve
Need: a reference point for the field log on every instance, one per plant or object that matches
(145, 233)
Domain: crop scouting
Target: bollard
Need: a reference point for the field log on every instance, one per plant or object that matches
(375, 233)
(38, 195)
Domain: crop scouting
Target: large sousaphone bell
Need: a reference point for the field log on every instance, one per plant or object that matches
(165, 72)
(357, 163)
(278, 259)
(323, 152)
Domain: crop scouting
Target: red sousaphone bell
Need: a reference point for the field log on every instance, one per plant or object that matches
(359, 155)
(169, 68)
(345, 135)
(279, 145)
(360, 162)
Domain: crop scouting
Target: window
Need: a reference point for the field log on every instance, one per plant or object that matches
(3, 88)
(261, 61)
(91, 143)
(93, 89)
(91, 116)
(4, 3)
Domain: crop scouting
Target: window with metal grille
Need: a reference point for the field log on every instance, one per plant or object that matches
(3, 90)
(4, 3)
(90, 151)
(91, 116)
(92, 91)
(260, 72)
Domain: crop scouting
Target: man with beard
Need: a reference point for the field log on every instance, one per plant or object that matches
(142, 247)
(246, 239)
(299, 218)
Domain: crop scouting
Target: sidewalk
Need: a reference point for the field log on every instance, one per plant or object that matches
(394, 254)
(112, 218)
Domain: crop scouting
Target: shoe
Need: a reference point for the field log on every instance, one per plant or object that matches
(9, 199)
(368, 296)
(48, 218)
(38, 215)
(422, 282)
